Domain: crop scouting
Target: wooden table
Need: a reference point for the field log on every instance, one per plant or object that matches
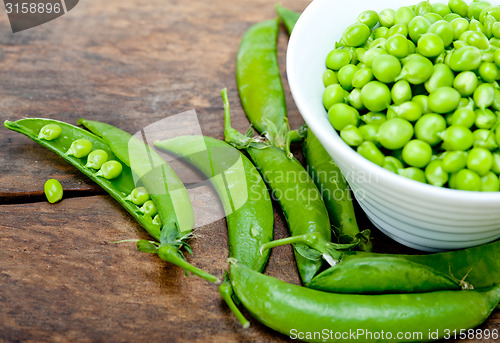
(129, 63)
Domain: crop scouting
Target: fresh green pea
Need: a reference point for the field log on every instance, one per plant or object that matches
(338, 58)
(356, 35)
(341, 115)
(413, 173)
(459, 7)
(417, 153)
(422, 8)
(433, 17)
(395, 133)
(459, 25)
(428, 127)
(53, 190)
(484, 95)
(375, 96)
(416, 69)
(403, 15)
(465, 83)
(354, 99)
(351, 135)
(495, 42)
(485, 139)
(453, 161)
(435, 173)
(497, 136)
(496, 163)
(492, 11)
(96, 159)
(423, 101)
(386, 68)
(480, 160)
(157, 220)
(465, 58)
(495, 30)
(456, 45)
(50, 132)
(345, 75)
(378, 43)
(417, 27)
(80, 148)
(393, 164)
(397, 45)
(386, 17)
(441, 9)
(361, 77)
(370, 151)
(369, 18)
(475, 9)
(398, 29)
(496, 100)
(489, 71)
(452, 16)
(475, 38)
(464, 116)
(467, 180)
(444, 100)
(490, 183)
(380, 32)
(110, 170)
(329, 78)
(138, 196)
(149, 208)
(485, 118)
(442, 76)
(412, 48)
(371, 54)
(401, 92)
(444, 30)
(430, 45)
(374, 118)
(409, 110)
(488, 25)
(359, 54)
(333, 94)
(457, 137)
(369, 132)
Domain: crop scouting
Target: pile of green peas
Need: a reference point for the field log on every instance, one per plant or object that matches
(414, 90)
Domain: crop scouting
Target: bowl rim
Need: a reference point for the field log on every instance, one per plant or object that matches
(329, 137)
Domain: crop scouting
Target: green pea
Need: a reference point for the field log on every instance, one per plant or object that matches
(416, 69)
(423, 101)
(342, 115)
(345, 75)
(398, 29)
(361, 77)
(457, 137)
(490, 183)
(492, 11)
(459, 25)
(480, 160)
(369, 18)
(484, 95)
(497, 136)
(354, 99)
(138, 196)
(53, 190)
(386, 17)
(329, 78)
(495, 30)
(356, 35)
(467, 180)
(453, 161)
(351, 135)
(397, 45)
(485, 118)
(80, 148)
(489, 71)
(393, 164)
(476, 7)
(413, 173)
(495, 42)
(96, 159)
(395, 133)
(338, 58)
(370, 151)
(409, 110)
(417, 27)
(452, 16)
(369, 132)
(488, 26)
(374, 118)
(149, 208)
(157, 220)
(430, 45)
(484, 139)
(465, 58)
(475, 25)
(401, 92)
(412, 48)
(496, 163)
(333, 94)
(50, 132)
(464, 116)
(444, 100)
(359, 54)
(428, 127)
(442, 76)
(371, 54)
(459, 7)
(433, 17)
(435, 173)
(375, 96)
(417, 153)
(386, 68)
(441, 9)
(465, 83)
(403, 15)
(110, 170)
(475, 38)
(422, 8)
(444, 30)
(496, 100)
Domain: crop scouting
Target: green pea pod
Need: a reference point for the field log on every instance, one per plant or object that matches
(243, 193)
(315, 316)
(296, 192)
(288, 17)
(258, 76)
(382, 274)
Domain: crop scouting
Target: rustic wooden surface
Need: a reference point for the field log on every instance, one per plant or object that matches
(129, 63)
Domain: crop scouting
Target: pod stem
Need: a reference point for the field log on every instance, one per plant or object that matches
(226, 292)
(170, 254)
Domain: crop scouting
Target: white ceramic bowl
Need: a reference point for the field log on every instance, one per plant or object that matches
(417, 215)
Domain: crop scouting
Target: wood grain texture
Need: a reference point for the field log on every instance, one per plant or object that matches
(128, 63)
